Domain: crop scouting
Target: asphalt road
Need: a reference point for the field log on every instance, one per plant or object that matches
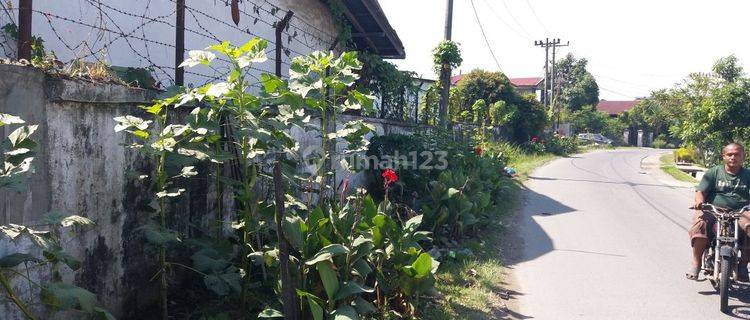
(605, 237)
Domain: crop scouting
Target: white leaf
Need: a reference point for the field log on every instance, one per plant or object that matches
(218, 89)
(9, 119)
(196, 57)
(174, 193)
(188, 172)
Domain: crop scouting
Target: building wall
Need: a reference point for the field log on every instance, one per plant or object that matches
(82, 168)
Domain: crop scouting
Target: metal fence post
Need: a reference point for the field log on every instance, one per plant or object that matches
(179, 54)
(24, 29)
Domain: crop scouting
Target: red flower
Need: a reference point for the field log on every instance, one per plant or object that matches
(542, 141)
(534, 139)
(389, 177)
(478, 151)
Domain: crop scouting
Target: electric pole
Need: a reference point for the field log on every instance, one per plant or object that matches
(549, 95)
(545, 44)
(445, 71)
(555, 107)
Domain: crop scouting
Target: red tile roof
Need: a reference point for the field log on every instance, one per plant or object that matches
(526, 82)
(615, 107)
(516, 82)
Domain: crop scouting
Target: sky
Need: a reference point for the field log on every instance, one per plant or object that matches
(633, 47)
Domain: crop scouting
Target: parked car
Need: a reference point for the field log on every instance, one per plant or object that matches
(595, 138)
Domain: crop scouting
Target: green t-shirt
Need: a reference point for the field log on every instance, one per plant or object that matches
(724, 189)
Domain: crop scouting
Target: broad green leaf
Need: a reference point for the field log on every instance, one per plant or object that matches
(271, 313)
(56, 254)
(159, 236)
(293, 231)
(422, 266)
(15, 259)
(329, 277)
(327, 253)
(19, 138)
(208, 260)
(103, 314)
(350, 288)
(364, 307)
(315, 309)
(345, 313)
(370, 209)
(361, 268)
(412, 224)
(452, 192)
(64, 296)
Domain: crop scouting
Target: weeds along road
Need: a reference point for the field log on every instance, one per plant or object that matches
(605, 237)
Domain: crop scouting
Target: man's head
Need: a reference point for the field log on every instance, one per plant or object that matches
(733, 155)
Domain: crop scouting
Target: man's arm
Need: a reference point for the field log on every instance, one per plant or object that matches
(700, 198)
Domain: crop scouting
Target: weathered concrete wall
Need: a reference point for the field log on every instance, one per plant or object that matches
(82, 168)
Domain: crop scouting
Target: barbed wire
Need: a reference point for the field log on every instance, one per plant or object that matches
(109, 32)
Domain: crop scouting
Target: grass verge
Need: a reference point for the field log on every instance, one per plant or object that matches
(667, 165)
(472, 286)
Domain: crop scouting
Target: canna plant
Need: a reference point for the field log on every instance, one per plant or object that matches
(41, 243)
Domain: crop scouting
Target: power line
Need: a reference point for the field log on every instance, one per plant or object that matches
(514, 18)
(617, 93)
(505, 22)
(476, 15)
(537, 17)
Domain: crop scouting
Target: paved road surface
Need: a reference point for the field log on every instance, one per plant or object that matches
(605, 238)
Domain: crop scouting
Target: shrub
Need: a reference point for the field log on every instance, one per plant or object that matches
(659, 143)
(686, 154)
(561, 145)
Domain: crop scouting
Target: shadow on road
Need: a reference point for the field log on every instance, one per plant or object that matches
(536, 242)
(740, 292)
(625, 183)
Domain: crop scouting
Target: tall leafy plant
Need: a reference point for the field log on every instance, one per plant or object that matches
(42, 242)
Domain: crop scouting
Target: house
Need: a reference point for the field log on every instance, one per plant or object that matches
(143, 33)
(531, 85)
(615, 108)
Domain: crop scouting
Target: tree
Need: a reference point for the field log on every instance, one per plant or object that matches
(576, 86)
(728, 68)
(589, 119)
(479, 84)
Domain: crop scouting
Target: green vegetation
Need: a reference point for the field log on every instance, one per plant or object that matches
(668, 166)
(472, 282)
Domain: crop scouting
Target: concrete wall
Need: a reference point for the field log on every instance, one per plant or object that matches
(82, 168)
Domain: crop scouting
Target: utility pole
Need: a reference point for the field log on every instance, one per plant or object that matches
(549, 93)
(445, 71)
(555, 107)
(545, 44)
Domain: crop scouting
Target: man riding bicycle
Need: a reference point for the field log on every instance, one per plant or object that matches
(728, 186)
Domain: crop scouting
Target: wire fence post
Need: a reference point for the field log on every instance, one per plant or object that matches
(24, 29)
(290, 302)
(179, 52)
